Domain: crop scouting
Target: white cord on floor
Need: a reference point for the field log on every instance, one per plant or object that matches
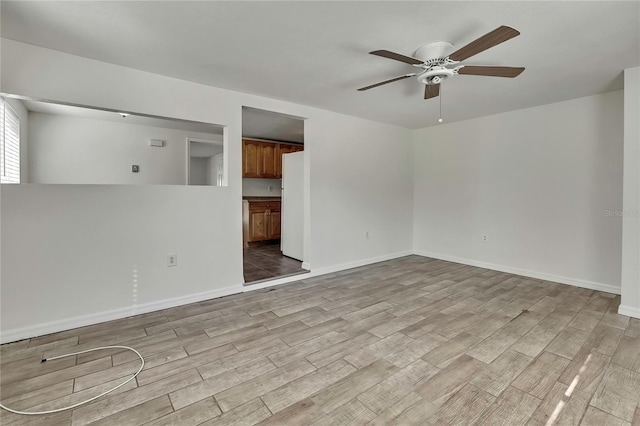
(90, 399)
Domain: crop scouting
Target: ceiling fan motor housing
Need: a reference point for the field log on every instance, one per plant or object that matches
(435, 50)
(435, 57)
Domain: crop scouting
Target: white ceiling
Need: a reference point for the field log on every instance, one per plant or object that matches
(204, 149)
(97, 114)
(315, 53)
(258, 123)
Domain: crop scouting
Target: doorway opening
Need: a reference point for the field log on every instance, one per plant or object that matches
(205, 162)
(272, 195)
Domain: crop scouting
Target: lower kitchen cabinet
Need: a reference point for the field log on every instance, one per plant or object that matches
(260, 220)
(274, 223)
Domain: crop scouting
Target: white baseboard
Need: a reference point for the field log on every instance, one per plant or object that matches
(69, 323)
(608, 288)
(629, 311)
(361, 262)
(81, 321)
(327, 270)
(277, 282)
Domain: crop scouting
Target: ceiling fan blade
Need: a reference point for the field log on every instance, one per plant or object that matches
(491, 71)
(431, 91)
(402, 77)
(397, 57)
(493, 38)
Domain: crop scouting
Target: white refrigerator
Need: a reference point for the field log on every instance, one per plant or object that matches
(291, 239)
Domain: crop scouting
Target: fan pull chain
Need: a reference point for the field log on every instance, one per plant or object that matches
(440, 97)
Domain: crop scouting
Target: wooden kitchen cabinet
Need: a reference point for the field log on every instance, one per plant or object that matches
(270, 160)
(285, 149)
(263, 159)
(261, 221)
(274, 222)
(258, 221)
(251, 159)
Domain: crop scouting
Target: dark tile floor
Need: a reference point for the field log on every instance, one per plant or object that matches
(266, 262)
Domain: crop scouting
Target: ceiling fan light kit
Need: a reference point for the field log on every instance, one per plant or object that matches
(437, 63)
(436, 75)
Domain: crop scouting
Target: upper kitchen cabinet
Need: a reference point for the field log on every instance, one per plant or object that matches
(285, 149)
(263, 159)
(251, 159)
(269, 160)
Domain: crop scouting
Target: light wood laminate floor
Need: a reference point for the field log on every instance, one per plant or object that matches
(408, 341)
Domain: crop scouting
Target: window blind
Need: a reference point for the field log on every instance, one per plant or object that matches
(9, 145)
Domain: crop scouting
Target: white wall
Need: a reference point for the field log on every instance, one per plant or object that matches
(630, 303)
(198, 171)
(537, 181)
(363, 188)
(68, 149)
(69, 252)
(255, 187)
(81, 250)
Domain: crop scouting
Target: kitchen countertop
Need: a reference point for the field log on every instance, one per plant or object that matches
(249, 198)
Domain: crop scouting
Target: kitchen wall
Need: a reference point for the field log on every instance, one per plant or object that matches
(80, 254)
(68, 149)
(539, 182)
(260, 187)
(630, 303)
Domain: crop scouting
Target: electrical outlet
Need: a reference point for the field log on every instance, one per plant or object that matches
(485, 238)
(172, 259)
(366, 235)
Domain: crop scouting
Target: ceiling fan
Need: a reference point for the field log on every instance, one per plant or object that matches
(436, 64)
